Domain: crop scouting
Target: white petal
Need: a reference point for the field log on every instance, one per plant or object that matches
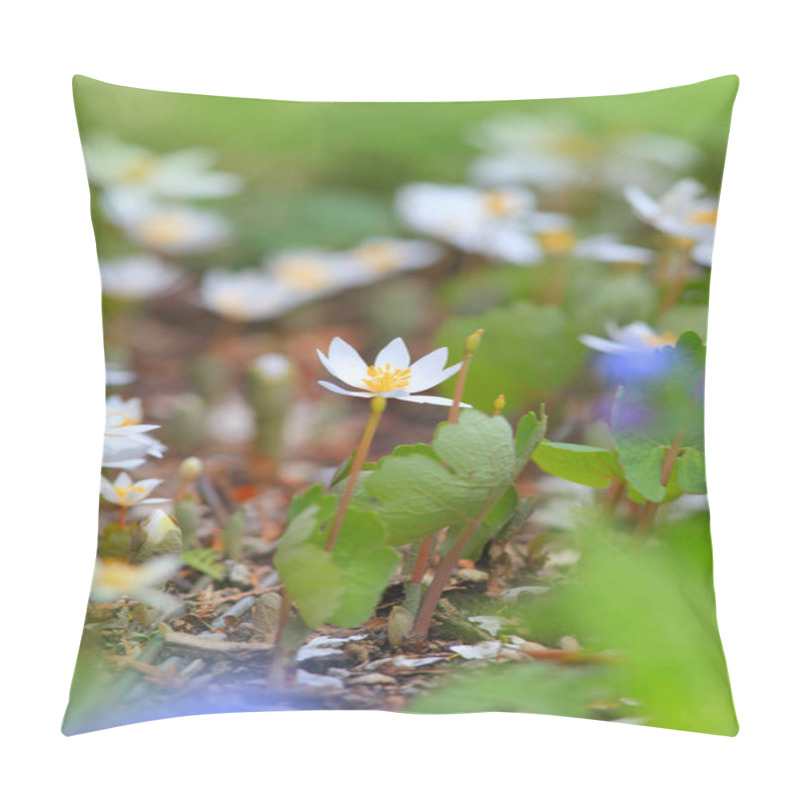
(602, 345)
(421, 383)
(431, 400)
(395, 354)
(107, 490)
(426, 368)
(332, 387)
(344, 362)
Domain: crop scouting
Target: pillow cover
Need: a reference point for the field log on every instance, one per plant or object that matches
(404, 407)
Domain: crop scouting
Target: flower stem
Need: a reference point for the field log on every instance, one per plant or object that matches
(650, 508)
(429, 602)
(121, 521)
(470, 347)
(680, 267)
(461, 381)
(378, 405)
(615, 494)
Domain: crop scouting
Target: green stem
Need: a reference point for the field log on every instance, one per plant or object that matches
(378, 406)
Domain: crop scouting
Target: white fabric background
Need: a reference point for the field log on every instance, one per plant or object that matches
(52, 407)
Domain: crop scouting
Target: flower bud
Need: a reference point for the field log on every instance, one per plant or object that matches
(473, 341)
(190, 469)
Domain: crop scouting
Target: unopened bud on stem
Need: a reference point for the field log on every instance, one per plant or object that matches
(473, 341)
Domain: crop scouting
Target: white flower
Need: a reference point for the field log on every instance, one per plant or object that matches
(554, 154)
(392, 374)
(681, 213)
(608, 248)
(164, 228)
(117, 376)
(247, 295)
(181, 174)
(637, 337)
(649, 160)
(138, 277)
(488, 222)
(126, 442)
(383, 255)
(314, 273)
(158, 525)
(127, 492)
(555, 235)
(550, 152)
(273, 367)
(116, 580)
(231, 421)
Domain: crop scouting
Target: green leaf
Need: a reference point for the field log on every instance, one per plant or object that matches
(308, 572)
(534, 688)
(471, 463)
(342, 586)
(205, 561)
(642, 458)
(501, 514)
(527, 353)
(655, 606)
(589, 466)
(366, 565)
(691, 471)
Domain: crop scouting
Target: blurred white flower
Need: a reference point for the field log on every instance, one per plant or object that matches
(126, 441)
(607, 248)
(183, 174)
(116, 375)
(314, 273)
(383, 255)
(681, 213)
(126, 492)
(649, 160)
(550, 152)
(158, 525)
(392, 374)
(231, 421)
(138, 277)
(164, 228)
(246, 295)
(634, 338)
(553, 153)
(274, 367)
(556, 237)
(117, 580)
(488, 222)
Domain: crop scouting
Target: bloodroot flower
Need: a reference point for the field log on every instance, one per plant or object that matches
(127, 492)
(391, 375)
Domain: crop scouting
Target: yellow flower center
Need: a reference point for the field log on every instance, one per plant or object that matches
(557, 243)
(378, 256)
(164, 230)
(304, 274)
(703, 217)
(118, 419)
(139, 169)
(500, 204)
(230, 303)
(386, 379)
(577, 147)
(117, 575)
(660, 339)
(123, 491)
